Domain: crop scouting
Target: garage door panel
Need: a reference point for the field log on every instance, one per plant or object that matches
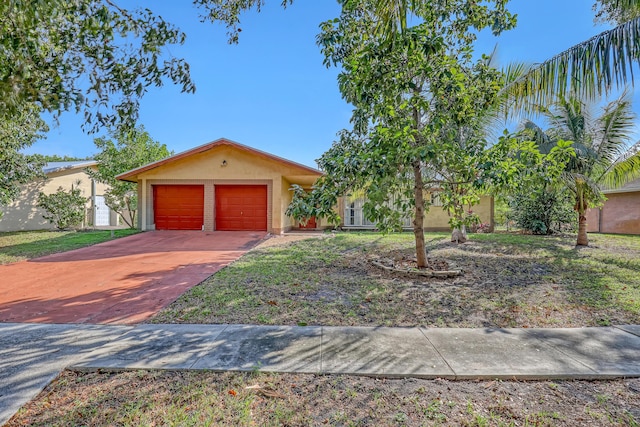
(178, 207)
(241, 207)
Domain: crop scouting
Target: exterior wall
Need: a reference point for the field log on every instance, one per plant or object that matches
(437, 219)
(23, 214)
(285, 199)
(222, 165)
(593, 220)
(620, 214)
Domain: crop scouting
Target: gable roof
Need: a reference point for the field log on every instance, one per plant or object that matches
(130, 175)
(60, 166)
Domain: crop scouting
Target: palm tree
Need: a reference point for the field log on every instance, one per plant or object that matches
(604, 157)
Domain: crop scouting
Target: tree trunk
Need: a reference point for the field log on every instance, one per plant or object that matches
(459, 235)
(132, 215)
(418, 220)
(581, 207)
(583, 239)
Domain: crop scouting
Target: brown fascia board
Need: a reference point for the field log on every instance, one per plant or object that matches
(128, 176)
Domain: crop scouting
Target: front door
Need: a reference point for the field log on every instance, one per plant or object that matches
(102, 212)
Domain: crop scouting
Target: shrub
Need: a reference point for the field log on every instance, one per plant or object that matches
(64, 209)
(544, 211)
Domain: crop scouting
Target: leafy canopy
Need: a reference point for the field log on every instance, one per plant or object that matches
(17, 168)
(126, 150)
(417, 97)
(91, 56)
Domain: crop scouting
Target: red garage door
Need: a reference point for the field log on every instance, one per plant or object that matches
(241, 207)
(178, 207)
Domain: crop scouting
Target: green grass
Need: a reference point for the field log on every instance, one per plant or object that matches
(509, 280)
(21, 245)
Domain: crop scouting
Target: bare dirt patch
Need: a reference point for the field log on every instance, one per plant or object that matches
(288, 238)
(146, 398)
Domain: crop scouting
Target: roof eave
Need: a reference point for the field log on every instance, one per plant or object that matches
(131, 176)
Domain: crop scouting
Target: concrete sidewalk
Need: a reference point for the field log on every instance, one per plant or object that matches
(31, 355)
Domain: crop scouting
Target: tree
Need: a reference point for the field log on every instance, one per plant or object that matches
(131, 149)
(65, 158)
(412, 94)
(17, 132)
(604, 155)
(84, 55)
(89, 56)
(64, 209)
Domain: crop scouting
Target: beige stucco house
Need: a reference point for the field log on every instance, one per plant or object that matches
(24, 214)
(620, 213)
(224, 185)
(435, 219)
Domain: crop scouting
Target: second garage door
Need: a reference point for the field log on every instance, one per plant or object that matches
(178, 207)
(241, 207)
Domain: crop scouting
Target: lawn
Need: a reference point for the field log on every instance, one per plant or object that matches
(508, 280)
(21, 245)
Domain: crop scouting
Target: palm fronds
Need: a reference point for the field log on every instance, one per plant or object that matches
(624, 170)
(590, 69)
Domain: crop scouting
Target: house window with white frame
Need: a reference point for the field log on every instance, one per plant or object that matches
(435, 199)
(354, 215)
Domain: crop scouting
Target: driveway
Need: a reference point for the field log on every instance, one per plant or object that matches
(123, 281)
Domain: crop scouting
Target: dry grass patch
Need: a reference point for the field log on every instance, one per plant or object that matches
(161, 398)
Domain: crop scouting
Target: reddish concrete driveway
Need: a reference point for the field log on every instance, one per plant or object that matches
(123, 281)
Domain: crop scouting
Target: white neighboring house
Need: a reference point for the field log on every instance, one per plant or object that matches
(24, 214)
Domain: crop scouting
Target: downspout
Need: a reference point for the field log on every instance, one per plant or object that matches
(600, 212)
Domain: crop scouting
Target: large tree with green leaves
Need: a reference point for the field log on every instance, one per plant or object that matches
(18, 132)
(128, 149)
(95, 57)
(90, 56)
(605, 156)
(417, 97)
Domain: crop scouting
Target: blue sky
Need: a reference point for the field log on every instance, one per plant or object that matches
(272, 92)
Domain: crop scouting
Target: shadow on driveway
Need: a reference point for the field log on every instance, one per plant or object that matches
(123, 281)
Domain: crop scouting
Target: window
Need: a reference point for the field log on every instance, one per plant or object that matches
(435, 199)
(354, 215)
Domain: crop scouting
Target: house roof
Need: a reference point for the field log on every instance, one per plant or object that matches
(627, 188)
(132, 174)
(60, 166)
